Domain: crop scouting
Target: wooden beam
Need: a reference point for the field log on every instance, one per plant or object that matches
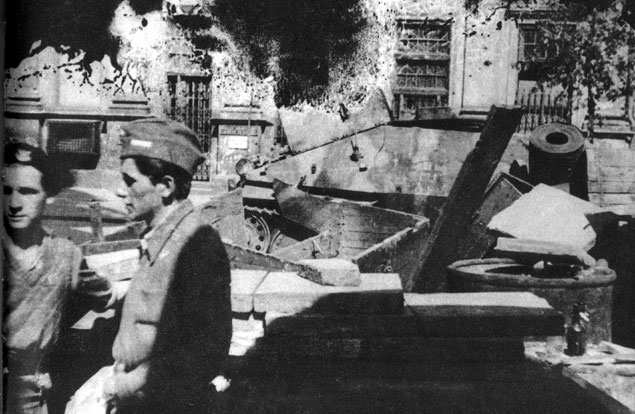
(465, 197)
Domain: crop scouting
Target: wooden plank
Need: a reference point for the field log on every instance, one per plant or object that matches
(465, 197)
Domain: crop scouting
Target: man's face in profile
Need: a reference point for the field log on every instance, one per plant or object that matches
(143, 198)
(24, 196)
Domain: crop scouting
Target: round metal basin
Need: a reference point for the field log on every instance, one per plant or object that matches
(594, 287)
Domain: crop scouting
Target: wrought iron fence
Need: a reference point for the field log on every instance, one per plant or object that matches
(541, 107)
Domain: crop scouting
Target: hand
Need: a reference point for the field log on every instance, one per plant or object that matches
(220, 383)
(44, 381)
(39, 381)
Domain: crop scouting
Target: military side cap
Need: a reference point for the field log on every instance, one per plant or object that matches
(164, 140)
(23, 153)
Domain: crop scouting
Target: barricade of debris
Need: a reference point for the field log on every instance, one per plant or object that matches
(329, 275)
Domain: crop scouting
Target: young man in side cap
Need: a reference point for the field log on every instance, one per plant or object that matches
(176, 320)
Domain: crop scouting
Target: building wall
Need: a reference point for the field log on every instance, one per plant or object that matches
(482, 69)
(488, 68)
(152, 45)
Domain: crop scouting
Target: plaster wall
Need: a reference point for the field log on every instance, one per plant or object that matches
(152, 45)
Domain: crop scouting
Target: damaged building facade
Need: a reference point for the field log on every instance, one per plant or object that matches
(431, 60)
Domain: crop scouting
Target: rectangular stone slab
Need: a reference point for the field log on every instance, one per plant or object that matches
(484, 314)
(612, 385)
(356, 325)
(336, 272)
(286, 292)
(244, 285)
(549, 214)
(532, 251)
(245, 335)
(412, 348)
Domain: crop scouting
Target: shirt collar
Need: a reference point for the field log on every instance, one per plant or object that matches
(11, 252)
(154, 240)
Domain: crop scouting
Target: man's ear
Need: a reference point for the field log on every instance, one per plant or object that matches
(168, 186)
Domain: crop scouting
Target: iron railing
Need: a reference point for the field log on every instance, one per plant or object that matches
(542, 107)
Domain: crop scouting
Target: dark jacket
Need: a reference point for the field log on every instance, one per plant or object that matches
(176, 321)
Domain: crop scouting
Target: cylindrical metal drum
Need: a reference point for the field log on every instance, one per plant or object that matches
(554, 150)
(594, 287)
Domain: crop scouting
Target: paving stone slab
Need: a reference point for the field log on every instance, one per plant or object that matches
(411, 348)
(245, 335)
(484, 314)
(341, 325)
(549, 214)
(244, 284)
(286, 292)
(532, 251)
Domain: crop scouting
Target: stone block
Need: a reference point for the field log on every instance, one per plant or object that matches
(244, 285)
(286, 292)
(336, 272)
(532, 251)
(412, 348)
(548, 214)
(340, 325)
(484, 314)
(245, 335)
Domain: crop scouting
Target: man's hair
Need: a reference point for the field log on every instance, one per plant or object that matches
(156, 169)
(53, 179)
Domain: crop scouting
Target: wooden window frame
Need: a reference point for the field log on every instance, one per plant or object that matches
(422, 77)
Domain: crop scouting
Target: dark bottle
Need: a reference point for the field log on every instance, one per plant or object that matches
(576, 331)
